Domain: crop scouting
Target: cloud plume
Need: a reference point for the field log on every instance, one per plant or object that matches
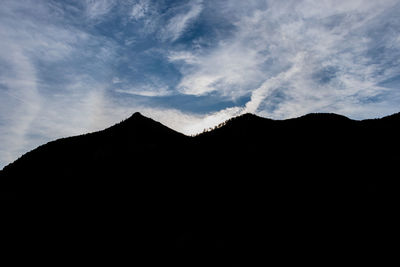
(70, 67)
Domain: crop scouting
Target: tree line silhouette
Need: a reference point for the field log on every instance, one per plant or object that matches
(318, 188)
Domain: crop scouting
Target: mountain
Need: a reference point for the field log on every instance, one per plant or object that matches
(318, 188)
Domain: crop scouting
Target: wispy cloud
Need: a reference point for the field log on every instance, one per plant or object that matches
(97, 8)
(23, 43)
(179, 22)
(69, 67)
(145, 90)
(37, 102)
(298, 56)
(20, 98)
(139, 9)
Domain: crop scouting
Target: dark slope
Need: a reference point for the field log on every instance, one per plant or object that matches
(135, 142)
(319, 188)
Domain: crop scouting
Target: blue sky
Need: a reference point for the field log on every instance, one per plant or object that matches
(75, 66)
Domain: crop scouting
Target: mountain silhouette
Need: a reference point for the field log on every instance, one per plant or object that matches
(318, 188)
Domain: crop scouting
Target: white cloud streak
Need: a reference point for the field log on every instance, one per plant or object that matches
(19, 97)
(97, 8)
(177, 25)
(20, 100)
(288, 49)
(146, 90)
(28, 116)
(289, 57)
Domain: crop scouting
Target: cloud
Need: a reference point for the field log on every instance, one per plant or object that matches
(189, 123)
(97, 8)
(23, 43)
(19, 97)
(190, 64)
(178, 23)
(295, 57)
(139, 9)
(146, 90)
(43, 94)
(232, 70)
(209, 121)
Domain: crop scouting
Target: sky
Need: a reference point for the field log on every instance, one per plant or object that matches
(69, 67)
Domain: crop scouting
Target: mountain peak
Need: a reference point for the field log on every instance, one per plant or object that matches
(138, 121)
(139, 125)
(137, 115)
(135, 119)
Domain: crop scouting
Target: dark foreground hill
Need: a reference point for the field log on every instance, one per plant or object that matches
(319, 189)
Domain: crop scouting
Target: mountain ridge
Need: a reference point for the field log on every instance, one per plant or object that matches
(249, 186)
(141, 123)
